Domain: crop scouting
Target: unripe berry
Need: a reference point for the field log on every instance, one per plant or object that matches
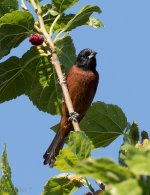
(36, 39)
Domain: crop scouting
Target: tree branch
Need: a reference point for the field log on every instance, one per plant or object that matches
(89, 186)
(54, 60)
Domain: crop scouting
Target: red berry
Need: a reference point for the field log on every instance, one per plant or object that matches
(36, 39)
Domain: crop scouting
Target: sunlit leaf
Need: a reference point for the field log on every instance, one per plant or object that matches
(138, 160)
(6, 185)
(103, 169)
(79, 148)
(34, 76)
(60, 185)
(44, 90)
(130, 186)
(94, 22)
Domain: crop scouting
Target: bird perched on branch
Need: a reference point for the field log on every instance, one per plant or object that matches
(82, 81)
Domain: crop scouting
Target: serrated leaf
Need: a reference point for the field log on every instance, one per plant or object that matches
(6, 171)
(130, 187)
(79, 148)
(6, 185)
(14, 28)
(61, 6)
(66, 51)
(82, 17)
(138, 160)
(103, 123)
(60, 185)
(34, 76)
(7, 6)
(103, 169)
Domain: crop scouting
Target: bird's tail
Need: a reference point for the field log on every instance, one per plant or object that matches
(54, 148)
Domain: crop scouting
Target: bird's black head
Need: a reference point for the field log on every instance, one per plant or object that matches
(86, 59)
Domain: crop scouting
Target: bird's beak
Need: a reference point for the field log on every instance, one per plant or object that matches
(92, 55)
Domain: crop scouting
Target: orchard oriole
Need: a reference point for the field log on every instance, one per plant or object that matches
(82, 81)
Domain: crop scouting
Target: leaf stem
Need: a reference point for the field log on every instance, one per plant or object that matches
(58, 35)
(90, 186)
(54, 60)
(53, 24)
(24, 7)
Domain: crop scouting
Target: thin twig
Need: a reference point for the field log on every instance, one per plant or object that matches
(53, 24)
(58, 35)
(54, 60)
(23, 5)
(89, 186)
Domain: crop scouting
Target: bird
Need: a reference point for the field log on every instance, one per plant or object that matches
(82, 81)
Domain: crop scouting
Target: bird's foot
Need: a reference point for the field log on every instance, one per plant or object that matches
(73, 116)
(63, 80)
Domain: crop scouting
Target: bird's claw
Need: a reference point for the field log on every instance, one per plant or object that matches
(63, 80)
(73, 116)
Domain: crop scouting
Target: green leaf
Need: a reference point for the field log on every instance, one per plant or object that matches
(82, 17)
(49, 16)
(79, 148)
(138, 160)
(61, 6)
(145, 184)
(7, 6)
(130, 187)
(66, 160)
(6, 171)
(6, 185)
(14, 28)
(44, 90)
(60, 185)
(103, 169)
(60, 24)
(14, 79)
(66, 51)
(94, 22)
(103, 123)
(79, 144)
(34, 76)
(131, 137)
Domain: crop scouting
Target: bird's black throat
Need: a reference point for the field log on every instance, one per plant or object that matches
(89, 64)
(86, 59)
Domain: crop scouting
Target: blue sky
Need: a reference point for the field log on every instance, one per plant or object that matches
(123, 61)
